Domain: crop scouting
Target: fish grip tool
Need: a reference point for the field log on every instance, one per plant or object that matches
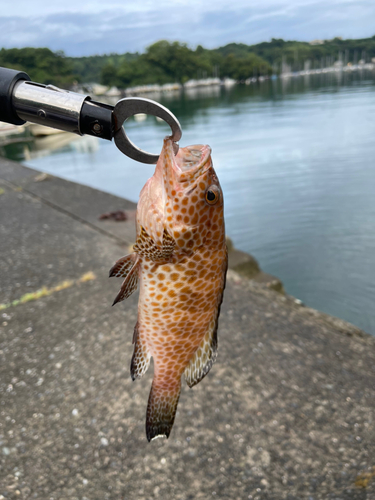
(22, 100)
(129, 106)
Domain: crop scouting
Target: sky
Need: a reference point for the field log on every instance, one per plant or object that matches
(100, 27)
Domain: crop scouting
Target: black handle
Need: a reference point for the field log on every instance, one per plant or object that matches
(96, 119)
(8, 79)
(22, 100)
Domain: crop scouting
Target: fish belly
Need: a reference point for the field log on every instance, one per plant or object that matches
(177, 303)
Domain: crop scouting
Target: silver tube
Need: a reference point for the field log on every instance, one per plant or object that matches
(48, 105)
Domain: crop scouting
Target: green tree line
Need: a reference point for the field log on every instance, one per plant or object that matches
(167, 62)
(41, 64)
(296, 53)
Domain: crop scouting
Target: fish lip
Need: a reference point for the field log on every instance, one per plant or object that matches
(185, 175)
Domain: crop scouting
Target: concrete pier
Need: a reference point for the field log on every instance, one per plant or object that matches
(287, 411)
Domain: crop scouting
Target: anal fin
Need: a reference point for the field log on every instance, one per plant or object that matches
(130, 283)
(141, 357)
(206, 354)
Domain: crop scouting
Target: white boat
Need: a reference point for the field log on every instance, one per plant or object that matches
(170, 87)
(41, 130)
(113, 92)
(43, 146)
(204, 82)
(229, 82)
(9, 129)
(98, 89)
(142, 89)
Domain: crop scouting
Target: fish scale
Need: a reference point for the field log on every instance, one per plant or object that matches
(180, 261)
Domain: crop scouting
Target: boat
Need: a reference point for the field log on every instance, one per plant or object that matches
(10, 133)
(7, 129)
(42, 131)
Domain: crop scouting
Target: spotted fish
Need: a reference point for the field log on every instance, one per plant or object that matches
(180, 261)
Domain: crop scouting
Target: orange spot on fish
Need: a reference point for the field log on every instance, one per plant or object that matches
(195, 219)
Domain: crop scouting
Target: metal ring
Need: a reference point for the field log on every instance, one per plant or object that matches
(131, 106)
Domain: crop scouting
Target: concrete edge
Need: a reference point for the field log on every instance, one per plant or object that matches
(242, 266)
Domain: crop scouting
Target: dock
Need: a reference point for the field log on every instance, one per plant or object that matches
(286, 412)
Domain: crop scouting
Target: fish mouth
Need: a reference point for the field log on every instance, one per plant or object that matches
(192, 158)
(189, 163)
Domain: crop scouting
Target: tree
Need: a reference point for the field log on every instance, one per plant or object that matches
(109, 75)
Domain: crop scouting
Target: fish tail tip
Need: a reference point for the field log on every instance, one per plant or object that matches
(161, 411)
(162, 429)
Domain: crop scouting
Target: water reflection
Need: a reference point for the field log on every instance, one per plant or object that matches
(295, 160)
(38, 147)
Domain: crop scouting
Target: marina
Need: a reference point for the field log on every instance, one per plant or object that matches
(294, 157)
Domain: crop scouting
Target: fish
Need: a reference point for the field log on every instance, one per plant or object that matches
(180, 261)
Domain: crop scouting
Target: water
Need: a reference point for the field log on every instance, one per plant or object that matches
(295, 159)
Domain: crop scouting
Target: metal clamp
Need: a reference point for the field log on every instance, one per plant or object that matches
(48, 105)
(124, 109)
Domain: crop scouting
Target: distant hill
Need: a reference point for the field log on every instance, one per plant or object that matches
(165, 62)
(294, 52)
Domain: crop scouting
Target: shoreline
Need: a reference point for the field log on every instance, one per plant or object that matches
(240, 262)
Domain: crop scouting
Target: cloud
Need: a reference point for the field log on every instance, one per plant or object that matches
(90, 27)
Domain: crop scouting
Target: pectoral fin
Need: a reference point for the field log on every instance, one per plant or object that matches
(123, 266)
(130, 283)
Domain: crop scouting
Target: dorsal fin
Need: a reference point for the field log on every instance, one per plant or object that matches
(141, 357)
(146, 246)
(129, 284)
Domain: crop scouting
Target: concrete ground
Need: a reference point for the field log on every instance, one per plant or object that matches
(287, 411)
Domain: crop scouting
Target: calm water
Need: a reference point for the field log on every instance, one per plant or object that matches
(296, 160)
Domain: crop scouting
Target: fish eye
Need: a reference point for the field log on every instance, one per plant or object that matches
(212, 195)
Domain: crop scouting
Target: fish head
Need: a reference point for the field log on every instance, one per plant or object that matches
(183, 198)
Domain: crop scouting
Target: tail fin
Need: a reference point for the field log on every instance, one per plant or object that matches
(161, 409)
